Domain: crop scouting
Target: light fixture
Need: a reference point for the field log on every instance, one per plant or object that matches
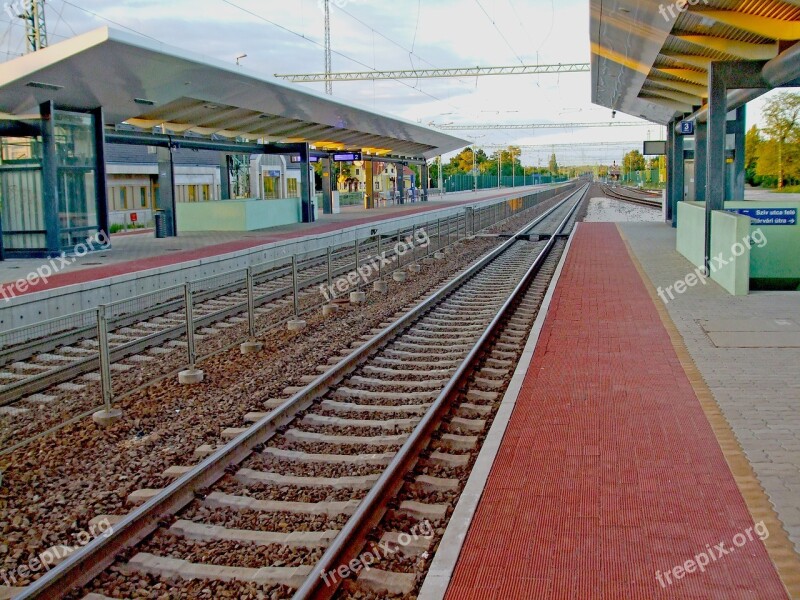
(239, 59)
(144, 101)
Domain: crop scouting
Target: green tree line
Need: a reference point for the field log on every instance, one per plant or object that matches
(772, 154)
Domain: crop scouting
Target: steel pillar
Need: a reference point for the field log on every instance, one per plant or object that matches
(401, 183)
(677, 175)
(740, 131)
(225, 177)
(100, 171)
(50, 180)
(700, 160)
(369, 185)
(308, 212)
(670, 158)
(327, 185)
(424, 185)
(165, 195)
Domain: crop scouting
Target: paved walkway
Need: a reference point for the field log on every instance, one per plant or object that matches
(139, 252)
(610, 474)
(755, 382)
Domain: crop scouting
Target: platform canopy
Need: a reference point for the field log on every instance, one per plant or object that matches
(651, 59)
(146, 84)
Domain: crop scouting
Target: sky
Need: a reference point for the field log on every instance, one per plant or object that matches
(281, 36)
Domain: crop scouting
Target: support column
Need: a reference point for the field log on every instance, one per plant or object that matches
(401, 183)
(715, 169)
(425, 183)
(100, 172)
(50, 180)
(165, 196)
(677, 172)
(740, 131)
(306, 187)
(700, 160)
(327, 185)
(369, 185)
(225, 177)
(670, 157)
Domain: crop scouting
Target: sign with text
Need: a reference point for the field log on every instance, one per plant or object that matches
(687, 127)
(769, 216)
(347, 156)
(311, 159)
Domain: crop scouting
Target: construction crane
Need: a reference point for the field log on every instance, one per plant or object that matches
(328, 59)
(328, 77)
(476, 126)
(35, 27)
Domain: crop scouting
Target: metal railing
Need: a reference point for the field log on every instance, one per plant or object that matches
(199, 304)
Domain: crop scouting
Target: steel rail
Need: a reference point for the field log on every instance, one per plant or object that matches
(88, 562)
(625, 198)
(349, 543)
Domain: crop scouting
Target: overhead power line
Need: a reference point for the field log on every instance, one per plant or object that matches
(437, 73)
(577, 145)
(476, 126)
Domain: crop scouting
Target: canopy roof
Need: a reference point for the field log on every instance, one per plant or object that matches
(651, 59)
(146, 84)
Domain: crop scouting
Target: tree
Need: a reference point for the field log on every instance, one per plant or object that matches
(553, 164)
(633, 161)
(752, 146)
(782, 115)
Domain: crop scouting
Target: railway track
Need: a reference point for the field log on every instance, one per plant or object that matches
(300, 488)
(58, 356)
(626, 195)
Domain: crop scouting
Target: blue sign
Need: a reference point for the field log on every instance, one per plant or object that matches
(347, 157)
(687, 127)
(769, 216)
(272, 173)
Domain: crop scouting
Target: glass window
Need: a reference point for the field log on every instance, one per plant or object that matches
(192, 193)
(143, 197)
(206, 192)
(291, 188)
(123, 198)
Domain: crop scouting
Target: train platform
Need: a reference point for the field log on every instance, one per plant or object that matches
(643, 450)
(135, 252)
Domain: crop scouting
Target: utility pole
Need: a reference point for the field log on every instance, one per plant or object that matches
(474, 170)
(35, 27)
(328, 60)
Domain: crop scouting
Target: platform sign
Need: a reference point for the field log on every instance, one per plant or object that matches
(273, 173)
(347, 157)
(687, 127)
(655, 148)
(769, 216)
(311, 159)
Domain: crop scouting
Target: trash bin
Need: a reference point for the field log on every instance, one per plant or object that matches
(161, 224)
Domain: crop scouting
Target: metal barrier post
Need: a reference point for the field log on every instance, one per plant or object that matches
(294, 286)
(358, 264)
(414, 243)
(189, 302)
(438, 234)
(105, 357)
(330, 268)
(251, 303)
(397, 249)
(380, 258)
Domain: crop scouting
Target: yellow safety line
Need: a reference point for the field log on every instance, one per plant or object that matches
(779, 547)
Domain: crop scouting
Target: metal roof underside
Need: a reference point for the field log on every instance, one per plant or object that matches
(146, 84)
(655, 67)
